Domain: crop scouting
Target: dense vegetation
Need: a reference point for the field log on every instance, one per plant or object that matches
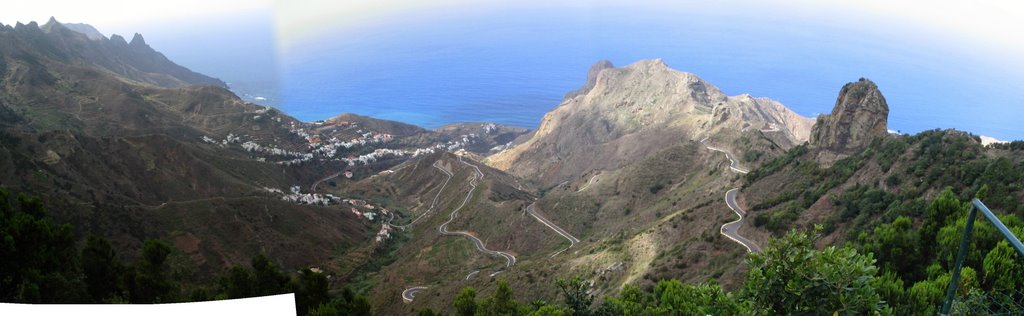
(912, 219)
(792, 277)
(50, 268)
(910, 168)
(789, 277)
(900, 237)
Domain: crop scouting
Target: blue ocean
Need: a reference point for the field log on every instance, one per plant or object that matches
(511, 67)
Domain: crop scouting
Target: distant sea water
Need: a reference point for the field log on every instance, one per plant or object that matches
(513, 67)
(262, 92)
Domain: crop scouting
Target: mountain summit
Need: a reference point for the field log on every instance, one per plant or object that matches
(623, 114)
(89, 31)
(860, 115)
(82, 45)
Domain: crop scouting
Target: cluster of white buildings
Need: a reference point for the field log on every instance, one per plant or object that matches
(329, 149)
(296, 196)
(502, 147)
(490, 127)
(383, 152)
(230, 139)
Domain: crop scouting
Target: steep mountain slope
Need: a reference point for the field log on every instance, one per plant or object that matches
(133, 61)
(625, 114)
(894, 196)
(623, 220)
(898, 197)
(91, 127)
(446, 192)
(851, 158)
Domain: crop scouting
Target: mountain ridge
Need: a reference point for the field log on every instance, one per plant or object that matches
(135, 61)
(645, 104)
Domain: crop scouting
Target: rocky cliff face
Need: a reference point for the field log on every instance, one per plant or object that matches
(624, 114)
(860, 115)
(135, 62)
(591, 78)
(89, 31)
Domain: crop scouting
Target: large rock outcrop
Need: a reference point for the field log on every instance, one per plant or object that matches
(622, 115)
(860, 115)
(591, 78)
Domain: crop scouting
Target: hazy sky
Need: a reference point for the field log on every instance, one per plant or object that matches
(127, 16)
(205, 35)
(989, 26)
(239, 40)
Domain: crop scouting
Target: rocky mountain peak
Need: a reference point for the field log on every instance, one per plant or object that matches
(624, 114)
(118, 40)
(91, 32)
(652, 63)
(592, 74)
(133, 61)
(30, 27)
(51, 22)
(138, 41)
(860, 115)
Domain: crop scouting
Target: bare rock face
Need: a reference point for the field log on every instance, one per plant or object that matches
(591, 78)
(860, 115)
(622, 115)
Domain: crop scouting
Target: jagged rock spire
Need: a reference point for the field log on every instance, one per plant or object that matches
(860, 115)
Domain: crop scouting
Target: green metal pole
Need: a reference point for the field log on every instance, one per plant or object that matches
(1012, 239)
(954, 280)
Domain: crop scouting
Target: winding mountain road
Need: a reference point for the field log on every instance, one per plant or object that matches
(432, 204)
(572, 240)
(588, 183)
(733, 164)
(312, 188)
(510, 260)
(409, 294)
(731, 229)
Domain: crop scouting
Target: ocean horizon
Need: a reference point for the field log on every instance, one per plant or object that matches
(513, 67)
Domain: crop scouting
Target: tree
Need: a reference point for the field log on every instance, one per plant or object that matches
(38, 258)
(101, 268)
(324, 310)
(548, 310)
(892, 244)
(672, 297)
(696, 299)
(577, 297)
(348, 304)
(926, 296)
(790, 276)
(237, 283)
(149, 283)
(267, 278)
(465, 302)
(503, 302)
(428, 312)
(891, 289)
(937, 215)
(631, 301)
(1004, 268)
(984, 237)
(311, 292)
